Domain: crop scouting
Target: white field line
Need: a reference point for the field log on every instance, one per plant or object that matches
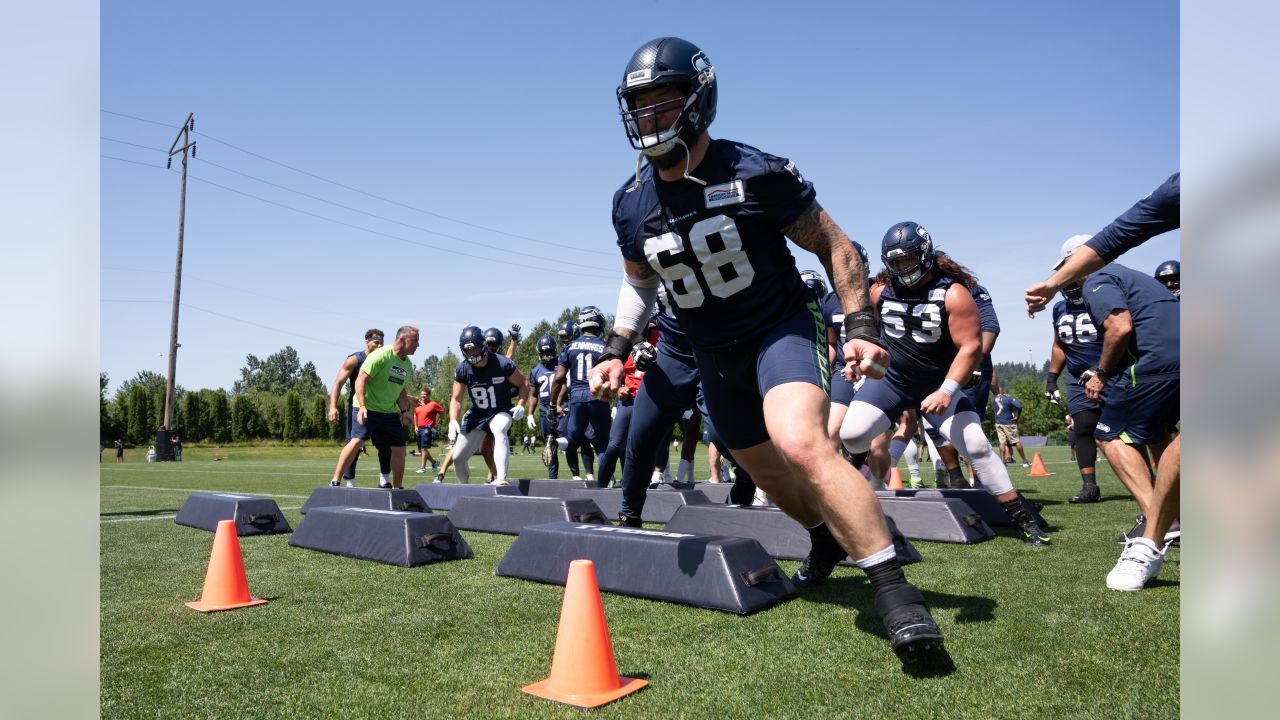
(191, 490)
(246, 472)
(105, 521)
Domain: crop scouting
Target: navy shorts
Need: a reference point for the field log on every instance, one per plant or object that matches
(841, 390)
(1143, 412)
(355, 430)
(426, 437)
(735, 381)
(1077, 401)
(384, 429)
(892, 400)
(980, 396)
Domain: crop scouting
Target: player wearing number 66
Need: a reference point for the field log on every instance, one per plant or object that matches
(488, 379)
(709, 220)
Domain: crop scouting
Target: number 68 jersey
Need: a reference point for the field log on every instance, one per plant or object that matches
(1077, 335)
(719, 249)
(914, 329)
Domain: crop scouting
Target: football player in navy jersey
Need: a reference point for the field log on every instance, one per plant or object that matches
(347, 374)
(1153, 215)
(571, 383)
(1076, 348)
(709, 219)
(487, 378)
(1169, 274)
(930, 324)
(540, 377)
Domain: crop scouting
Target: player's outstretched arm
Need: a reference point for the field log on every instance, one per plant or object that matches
(636, 297)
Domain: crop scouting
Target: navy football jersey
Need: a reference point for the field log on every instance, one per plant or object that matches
(1153, 352)
(913, 328)
(670, 333)
(719, 249)
(359, 355)
(488, 386)
(578, 357)
(540, 377)
(1078, 335)
(1154, 214)
(988, 321)
(1006, 407)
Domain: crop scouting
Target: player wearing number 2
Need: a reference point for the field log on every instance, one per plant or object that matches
(488, 378)
(576, 361)
(708, 220)
(930, 324)
(1076, 348)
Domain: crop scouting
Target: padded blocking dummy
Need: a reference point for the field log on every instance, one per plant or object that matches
(394, 537)
(252, 515)
(982, 502)
(372, 498)
(510, 514)
(443, 496)
(659, 506)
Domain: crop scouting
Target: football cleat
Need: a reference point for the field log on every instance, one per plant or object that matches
(549, 451)
(1087, 494)
(824, 554)
(1138, 565)
(1032, 534)
(913, 633)
(333, 483)
(630, 521)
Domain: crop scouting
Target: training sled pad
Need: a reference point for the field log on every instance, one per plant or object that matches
(372, 498)
(779, 535)
(548, 488)
(252, 515)
(936, 519)
(394, 537)
(658, 506)
(982, 502)
(443, 496)
(508, 514)
(718, 573)
(715, 492)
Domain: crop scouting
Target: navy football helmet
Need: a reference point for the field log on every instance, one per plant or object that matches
(814, 280)
(668, 61)
(907, 253)
(567, 331)
(862, 254)
(1169, 273)
(493, 339)
(546, 348)
(471, 343)
(590, 319)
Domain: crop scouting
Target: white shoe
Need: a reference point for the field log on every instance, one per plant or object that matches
(1026, 464)
(590, 477)
(439, 479)
(351, 483)
(499, 483)
(421, 471)
(384, 486)
(575, 477)
(333, 483)
(1138, 565)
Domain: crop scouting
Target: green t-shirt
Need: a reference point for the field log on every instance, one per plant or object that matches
(388, 375)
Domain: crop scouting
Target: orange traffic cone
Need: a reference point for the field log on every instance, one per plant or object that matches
(1037, 467)
(225, 586)
(895, 479)
(584, 671)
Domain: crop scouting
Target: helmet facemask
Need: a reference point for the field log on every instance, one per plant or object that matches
(1074, 292)
(908, 267)
(474, 354)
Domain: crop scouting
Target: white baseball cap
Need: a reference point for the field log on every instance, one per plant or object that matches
(1070, 246)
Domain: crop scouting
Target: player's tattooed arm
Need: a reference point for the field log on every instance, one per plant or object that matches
(816, 232)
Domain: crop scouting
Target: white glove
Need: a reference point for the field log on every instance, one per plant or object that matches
(533, 424)
(517, 414)
(688, 414)
(454, 429)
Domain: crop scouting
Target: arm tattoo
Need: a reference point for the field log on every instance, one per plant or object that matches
(816, 232)
(638, 270)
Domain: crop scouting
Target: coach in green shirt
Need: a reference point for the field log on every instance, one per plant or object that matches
(384, 404)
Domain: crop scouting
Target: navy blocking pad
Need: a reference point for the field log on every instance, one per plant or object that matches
(443, 496)
(252, 515)
(510, 514)
(372, 498)
(407, 539)
(658, 506)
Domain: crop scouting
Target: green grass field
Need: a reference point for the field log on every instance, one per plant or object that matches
(1034, 633)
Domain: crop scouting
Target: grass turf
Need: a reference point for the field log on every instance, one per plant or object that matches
(1033, 632)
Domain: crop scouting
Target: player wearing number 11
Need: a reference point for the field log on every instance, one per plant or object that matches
(709, 220)
(488, 378)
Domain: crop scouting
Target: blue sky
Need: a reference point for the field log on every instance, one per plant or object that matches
(461, 157)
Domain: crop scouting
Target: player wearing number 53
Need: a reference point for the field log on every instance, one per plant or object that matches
(488, 379)
(709, 219)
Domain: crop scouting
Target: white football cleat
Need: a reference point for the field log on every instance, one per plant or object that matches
(1138, 565)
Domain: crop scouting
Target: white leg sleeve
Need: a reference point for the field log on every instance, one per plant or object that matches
(463, 449)
(861, 425)
(912, 454)
(965, 431)
(499, 426)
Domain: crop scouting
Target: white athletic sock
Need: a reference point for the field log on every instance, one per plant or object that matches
(877, 558)
(912, 454)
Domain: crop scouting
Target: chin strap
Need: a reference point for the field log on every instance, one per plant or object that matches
(685, 175)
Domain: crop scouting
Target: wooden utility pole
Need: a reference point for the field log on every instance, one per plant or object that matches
(183, 140)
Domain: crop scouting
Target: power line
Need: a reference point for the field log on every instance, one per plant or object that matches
(347, 224)
(369, 214)
(369, 194)
(233, 318)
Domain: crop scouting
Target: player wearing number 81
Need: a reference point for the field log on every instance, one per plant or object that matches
(488, 378)
(709, 220)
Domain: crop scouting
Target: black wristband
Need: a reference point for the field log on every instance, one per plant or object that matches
(862, 325)
(615, 348)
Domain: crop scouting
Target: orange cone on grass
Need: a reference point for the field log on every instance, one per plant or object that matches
(584, 671)
(1037, 467)
(895, 479)
(225, 585)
